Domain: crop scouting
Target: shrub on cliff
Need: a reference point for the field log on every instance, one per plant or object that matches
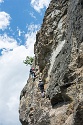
(28, 60)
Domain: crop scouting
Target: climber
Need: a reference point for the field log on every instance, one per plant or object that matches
(32, 73)
(41, 87)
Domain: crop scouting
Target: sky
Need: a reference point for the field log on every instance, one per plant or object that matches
(19, 22)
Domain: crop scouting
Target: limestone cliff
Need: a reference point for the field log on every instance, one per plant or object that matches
(59, 60)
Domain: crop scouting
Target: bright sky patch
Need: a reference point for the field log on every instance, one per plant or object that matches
(4, 20)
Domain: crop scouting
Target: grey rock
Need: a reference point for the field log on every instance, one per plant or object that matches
(59, 56)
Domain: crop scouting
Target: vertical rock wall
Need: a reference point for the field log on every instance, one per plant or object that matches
(59, 55)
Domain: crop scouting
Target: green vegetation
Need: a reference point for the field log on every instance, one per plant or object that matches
(28, 60)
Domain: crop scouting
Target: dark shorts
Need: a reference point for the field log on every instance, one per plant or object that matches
(42, 90)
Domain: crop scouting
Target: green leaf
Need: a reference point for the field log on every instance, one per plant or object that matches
(28, 60)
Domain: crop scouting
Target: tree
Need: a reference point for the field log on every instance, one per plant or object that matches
(28, 60)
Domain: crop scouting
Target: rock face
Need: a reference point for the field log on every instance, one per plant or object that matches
(59, 60)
